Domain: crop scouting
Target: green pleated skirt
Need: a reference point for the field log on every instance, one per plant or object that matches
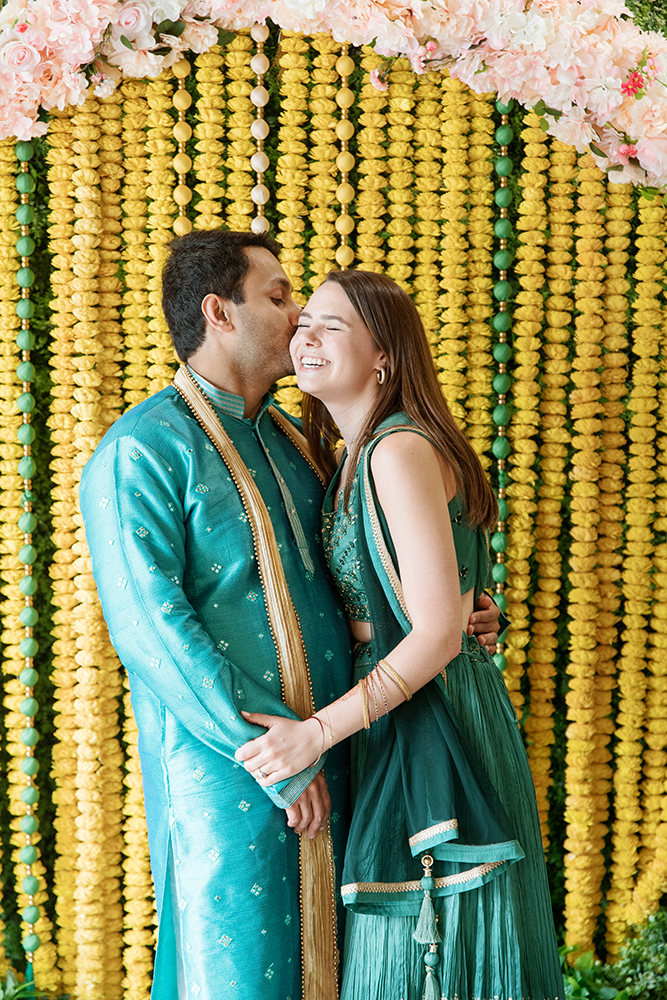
(498, 939)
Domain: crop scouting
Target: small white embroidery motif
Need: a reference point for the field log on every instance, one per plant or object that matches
(167, 608)
(165, 423)
(201, 488)
(222, 645)
(268, 675)
(199, 773)
(252, 847)
(224, 940)
(137, 494)
(252, 596)
(155, 661)
(216, 567)
(256, 889)
(111, 541)
(122, 583)
(269, 973)
(240, 694)
(244, 806)
(104, 502)
(288, 919)
(135, 454)
(207, 682)
(282, 836)
(213, 854)
(142, 532)
(243, 517)
(328, 655)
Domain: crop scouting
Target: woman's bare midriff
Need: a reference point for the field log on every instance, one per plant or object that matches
(361, 631)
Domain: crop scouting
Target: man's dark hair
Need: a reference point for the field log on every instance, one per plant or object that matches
(209, 261)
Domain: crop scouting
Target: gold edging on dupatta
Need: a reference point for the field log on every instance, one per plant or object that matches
(319, 951)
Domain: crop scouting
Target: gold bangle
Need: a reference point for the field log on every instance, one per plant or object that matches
(396, 678)
(319, 756)
(364, 704)
(330, 729)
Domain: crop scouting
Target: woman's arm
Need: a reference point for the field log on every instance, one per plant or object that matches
(410, 483)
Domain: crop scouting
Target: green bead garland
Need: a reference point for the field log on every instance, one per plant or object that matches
(502, 352)
(29, 615)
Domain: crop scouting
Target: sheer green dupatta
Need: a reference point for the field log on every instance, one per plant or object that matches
(421, 788)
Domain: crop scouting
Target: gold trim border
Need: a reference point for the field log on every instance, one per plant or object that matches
(431, 831)
(440, 883)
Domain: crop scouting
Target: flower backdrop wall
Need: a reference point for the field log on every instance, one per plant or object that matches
(597, 79)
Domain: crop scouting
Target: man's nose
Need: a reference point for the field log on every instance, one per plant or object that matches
(294, 312)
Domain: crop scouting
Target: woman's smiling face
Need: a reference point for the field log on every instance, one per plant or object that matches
(333, 351)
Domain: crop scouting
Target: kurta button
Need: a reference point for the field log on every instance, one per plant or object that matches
(463, 572)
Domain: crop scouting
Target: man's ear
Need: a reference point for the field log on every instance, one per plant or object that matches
(216, 313)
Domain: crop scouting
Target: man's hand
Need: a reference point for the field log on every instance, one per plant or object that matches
(312, 809)
(483, 622)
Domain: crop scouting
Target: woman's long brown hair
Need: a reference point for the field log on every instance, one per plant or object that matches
(411, 387)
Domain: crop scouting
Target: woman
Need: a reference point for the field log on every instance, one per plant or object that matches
(441, 784)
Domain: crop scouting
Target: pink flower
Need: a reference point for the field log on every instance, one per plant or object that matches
(18, 57)
(634, 83)
(652, 155)
(198, 36)
(627, 150)
(378, 82)
(134, 18)
(21, 27)
(430, 46)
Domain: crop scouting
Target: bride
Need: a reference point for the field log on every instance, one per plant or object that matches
(444, 876)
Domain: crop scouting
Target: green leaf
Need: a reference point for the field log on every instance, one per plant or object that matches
(608, 993)
(127, 43)
(165, 26)
(553, 112)
(544, 124)
(616, 166)
(598, 152)
(225, 37)
(177, 29)
(585, 961)
(540, 108)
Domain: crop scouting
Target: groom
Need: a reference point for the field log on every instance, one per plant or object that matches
(197, 563)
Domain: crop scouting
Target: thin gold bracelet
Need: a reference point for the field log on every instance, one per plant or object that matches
(364, 704)
(321, 724)
(396, 678)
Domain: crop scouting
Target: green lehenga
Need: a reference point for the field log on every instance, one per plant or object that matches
(446, 774)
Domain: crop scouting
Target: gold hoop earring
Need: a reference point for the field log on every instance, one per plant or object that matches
(381, 376)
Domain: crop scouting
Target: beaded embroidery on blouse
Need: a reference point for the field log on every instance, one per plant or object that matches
(339, 537)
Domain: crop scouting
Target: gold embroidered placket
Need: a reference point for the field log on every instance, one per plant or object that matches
(319, 951)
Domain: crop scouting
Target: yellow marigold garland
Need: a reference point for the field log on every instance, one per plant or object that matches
(139, 936)
(554, 439)
(209, 135)
(96, 909)
(627, 774)
(479, 308)
(323, 153)
(62, 422)
(451, 347)
(587, 770)
(528, 315)
(400, 176)
(240, 144)
(642, 406)
(292, 179)
(291, 168)
(427, 155)
(371, 166)
(161, 213)
(135, 249)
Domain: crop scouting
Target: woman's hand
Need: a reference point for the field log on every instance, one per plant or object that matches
(287, 748)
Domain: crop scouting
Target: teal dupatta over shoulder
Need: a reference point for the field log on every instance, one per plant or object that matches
(444, 774)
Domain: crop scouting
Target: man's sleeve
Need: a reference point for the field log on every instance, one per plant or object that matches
(133, 513)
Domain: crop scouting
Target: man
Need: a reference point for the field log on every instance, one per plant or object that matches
(202, 517)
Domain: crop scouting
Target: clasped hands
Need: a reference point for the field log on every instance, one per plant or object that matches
(289, 746)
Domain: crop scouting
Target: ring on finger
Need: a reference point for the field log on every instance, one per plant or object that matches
(261, 773)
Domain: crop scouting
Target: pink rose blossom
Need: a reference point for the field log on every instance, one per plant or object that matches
(18, 57)
(627, 150)
(21, 27)
(652, 156)
(134, 18)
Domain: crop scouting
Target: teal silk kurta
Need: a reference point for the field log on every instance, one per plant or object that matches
(172, 554)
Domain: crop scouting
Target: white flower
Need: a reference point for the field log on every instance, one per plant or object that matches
(165, 10)
(574, 129)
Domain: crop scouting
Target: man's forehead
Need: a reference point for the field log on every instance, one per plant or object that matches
(267, 269)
